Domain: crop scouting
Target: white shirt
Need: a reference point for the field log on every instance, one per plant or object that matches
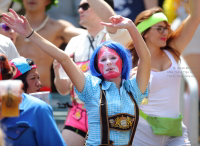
(164, 92)
(8, 48)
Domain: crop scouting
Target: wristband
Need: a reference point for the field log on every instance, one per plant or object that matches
(30, 34)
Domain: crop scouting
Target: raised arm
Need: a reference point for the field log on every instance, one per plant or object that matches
(189, 27)
(21, 25)
(143, 73)
(150, 4)
(104, 11)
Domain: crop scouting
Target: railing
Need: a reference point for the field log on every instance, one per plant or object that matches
(190, 105)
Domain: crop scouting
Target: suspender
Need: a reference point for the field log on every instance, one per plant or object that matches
(105, 130)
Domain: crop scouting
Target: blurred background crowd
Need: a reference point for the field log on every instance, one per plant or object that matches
(66, 14)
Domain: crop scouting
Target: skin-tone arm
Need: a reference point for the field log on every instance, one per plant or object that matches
(143, 71)
(190, 25)
(21, 25)
(69, 31)
(104, 11)
(62, 85)
(150, 4)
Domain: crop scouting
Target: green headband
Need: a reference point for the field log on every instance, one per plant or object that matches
(48, 7)
(155, 18)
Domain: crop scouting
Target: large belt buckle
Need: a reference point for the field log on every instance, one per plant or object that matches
(121, 122)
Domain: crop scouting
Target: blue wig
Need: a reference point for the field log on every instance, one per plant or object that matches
(124, 55)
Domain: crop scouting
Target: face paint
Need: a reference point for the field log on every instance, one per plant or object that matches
(109, 63)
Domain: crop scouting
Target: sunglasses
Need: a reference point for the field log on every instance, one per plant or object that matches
(84, 6)
(4, 27)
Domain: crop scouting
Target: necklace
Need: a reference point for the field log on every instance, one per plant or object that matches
(40, 27)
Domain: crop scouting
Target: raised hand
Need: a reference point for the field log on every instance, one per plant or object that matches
(19, 24)
(118, 22)
(56, 66)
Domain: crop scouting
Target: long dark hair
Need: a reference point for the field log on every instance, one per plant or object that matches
(23, 76)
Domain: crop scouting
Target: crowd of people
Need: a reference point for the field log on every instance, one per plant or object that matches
(116, 71)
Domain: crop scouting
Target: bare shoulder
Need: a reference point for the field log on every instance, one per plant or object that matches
(63, 29)
(65, 23)
(59, 24)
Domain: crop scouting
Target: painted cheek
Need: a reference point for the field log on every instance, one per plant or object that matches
(114, 74)
(101, 67)
(119, 65)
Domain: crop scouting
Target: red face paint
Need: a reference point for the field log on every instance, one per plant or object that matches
(109, 63)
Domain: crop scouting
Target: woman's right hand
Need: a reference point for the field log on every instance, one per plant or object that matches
(56, 66)
(19, 24)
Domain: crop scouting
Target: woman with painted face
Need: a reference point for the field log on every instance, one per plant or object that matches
(108, 86)
(160, 122)
(27, 73)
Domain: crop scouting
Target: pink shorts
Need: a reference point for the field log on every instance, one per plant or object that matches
(77, 117)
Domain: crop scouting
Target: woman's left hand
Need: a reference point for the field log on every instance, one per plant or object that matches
(19, 24)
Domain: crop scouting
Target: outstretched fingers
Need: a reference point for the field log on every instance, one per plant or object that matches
(24, 19)
(116, 19)
(106, 24)
(8, 18)
(14, 13)
(8, 21)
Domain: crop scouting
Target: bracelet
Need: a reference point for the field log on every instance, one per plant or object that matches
(30, 34)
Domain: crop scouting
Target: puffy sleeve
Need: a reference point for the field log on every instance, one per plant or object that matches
(91, 87)
(132, 86)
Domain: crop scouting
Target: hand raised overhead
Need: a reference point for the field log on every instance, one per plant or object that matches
(118, 22)
(19, 24)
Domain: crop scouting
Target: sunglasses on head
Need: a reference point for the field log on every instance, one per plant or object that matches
(84, 6)
(4, 27)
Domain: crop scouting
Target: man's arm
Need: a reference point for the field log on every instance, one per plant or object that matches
(69, 30)
(104, 11)
(150, 4)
